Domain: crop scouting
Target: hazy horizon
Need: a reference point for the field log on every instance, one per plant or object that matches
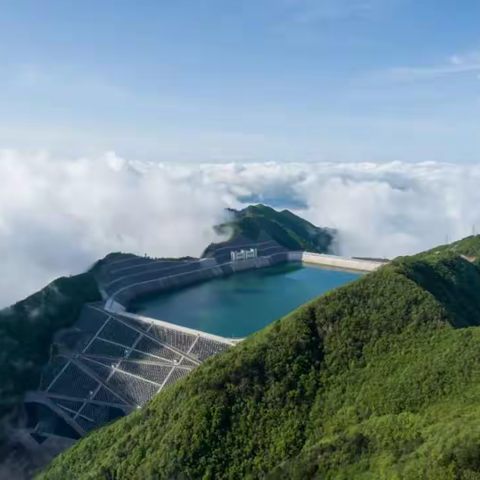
(59, 215)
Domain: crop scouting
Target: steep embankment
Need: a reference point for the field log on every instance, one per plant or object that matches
(285, 228)
(26, 334)
(371, 380)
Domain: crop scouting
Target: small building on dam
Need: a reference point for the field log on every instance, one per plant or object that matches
(239, 255)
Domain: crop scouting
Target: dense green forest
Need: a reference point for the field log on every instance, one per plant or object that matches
(284, 227)
(372, 380)
(26, 333)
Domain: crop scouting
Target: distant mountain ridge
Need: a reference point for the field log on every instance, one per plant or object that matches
(260, 223)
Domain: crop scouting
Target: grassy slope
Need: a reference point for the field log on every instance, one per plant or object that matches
(470, 247)
(284, 227)
(369, 380)
(26, 333)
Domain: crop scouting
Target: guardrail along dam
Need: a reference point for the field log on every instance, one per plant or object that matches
(114, 361)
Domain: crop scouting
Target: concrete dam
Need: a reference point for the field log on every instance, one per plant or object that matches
(112, 362)
(125, 279)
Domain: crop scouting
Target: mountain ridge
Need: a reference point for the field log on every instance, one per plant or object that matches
(287, 229)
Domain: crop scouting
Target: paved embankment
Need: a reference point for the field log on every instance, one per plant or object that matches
(131, 281)
(123, 290)
(335, 261)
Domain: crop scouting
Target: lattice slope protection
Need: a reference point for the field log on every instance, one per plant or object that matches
(110, 365)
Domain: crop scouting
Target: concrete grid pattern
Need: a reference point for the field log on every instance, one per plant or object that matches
(113, 362)
(118, 363)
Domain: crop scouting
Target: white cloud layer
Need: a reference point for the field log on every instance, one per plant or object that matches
(57, 216)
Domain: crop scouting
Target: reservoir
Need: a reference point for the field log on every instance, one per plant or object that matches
(240, 304)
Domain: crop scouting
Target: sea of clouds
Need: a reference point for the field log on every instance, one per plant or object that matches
(59, 215)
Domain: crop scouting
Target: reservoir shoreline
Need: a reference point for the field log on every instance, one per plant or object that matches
(239, 305)
(208, 268)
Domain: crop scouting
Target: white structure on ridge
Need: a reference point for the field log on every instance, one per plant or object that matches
(243, 254)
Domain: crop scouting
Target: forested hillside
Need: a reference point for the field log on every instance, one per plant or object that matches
(372, 380)
(284, 227)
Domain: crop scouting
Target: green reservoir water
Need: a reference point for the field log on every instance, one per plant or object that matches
(243, 303)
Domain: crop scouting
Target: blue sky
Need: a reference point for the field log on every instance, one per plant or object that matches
(264, 80)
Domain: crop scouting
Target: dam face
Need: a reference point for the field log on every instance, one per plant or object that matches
(112, 362)
(240, 304)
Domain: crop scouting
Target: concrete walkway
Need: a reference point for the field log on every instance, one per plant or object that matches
(335, 261)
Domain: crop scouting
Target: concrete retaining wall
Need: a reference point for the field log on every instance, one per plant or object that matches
(171, 326)
(294, 256)
(206, 269)
(203, 270)
(338, 262)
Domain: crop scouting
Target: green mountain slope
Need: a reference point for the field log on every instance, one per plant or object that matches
(372, 380)
(468, 247)
(286, 228)
(26, 334)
